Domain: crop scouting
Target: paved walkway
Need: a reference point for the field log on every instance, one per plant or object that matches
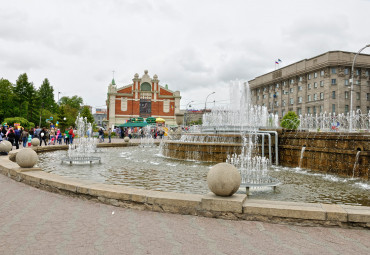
(34, 221)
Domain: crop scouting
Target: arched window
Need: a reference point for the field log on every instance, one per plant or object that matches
(145, 87)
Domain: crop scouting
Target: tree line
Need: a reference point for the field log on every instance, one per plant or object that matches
(23, 103)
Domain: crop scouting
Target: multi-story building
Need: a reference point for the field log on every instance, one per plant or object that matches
(100, 115)
(143, 98)
(315, 85)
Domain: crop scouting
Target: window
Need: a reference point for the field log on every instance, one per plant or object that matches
(277, 85)
(321, 108)
(283, 102)
(357, 82)
(309, 98)
(291, 90)
(322, 73)
(299, 99)
(277, 103)
(259, 90)
(309, 86)
(333, 108)
(315, 84)
(368, 96)
(346, 108)
(270, 105)
(346, 82)
(270, 95)
(314, 110)
(291, 81)
(314, 97)
(308, 110)
(264, 89)
(264, 96)
(346, 94)
(358, 71)
(315, 74)
(346, 70)
(333, 81)
(367, 73)
(333, 70)
(322, 95)
(333, 95)
(300, 78)
(283, 112)
(321, 83)
(309, 76)
(291, 101)
(277, 93)
(358, 95)
(299, 111)
(284, 83)
(299, 88)
(258, 98)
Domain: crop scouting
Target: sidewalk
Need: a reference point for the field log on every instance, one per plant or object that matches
(34, 221)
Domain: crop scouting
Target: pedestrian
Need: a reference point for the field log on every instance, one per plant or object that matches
(24, 137)
(101, 135)
(109, 134)
(17, 137)
(29, 140)
(11, 136)
(32, 132)
(66, 137)
(71, 135)
(43, 135)
(129, 133)
(52, 136)
(36, 132)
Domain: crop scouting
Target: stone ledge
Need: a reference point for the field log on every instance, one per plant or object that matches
(233, 204)
(357, 213)
(285, 209)
(335, 212)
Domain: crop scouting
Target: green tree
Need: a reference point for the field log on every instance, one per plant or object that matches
(7, 106)
(46, 95)
(25, 97)
(290, 121)
(85, 112)
(74, 102)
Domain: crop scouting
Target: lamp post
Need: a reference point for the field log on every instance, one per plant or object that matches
(205, 105)
(352, 75)
(186, 116)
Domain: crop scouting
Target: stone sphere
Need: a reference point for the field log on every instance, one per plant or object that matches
(126, 139)
(223, 179)
(26, 158)
(35, 142)
(6, 146)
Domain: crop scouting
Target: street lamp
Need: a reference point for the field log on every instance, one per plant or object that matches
(186, 116)
(205, 105)
(353, 70)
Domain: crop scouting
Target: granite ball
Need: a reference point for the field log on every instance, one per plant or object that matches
(35, 142)
(6, 146)
(126, 139)
(26, 158)
(223, 179)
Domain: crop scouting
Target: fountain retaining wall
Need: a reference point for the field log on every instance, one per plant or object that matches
(329, 152)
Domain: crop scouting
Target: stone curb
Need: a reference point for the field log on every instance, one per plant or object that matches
(236, 207)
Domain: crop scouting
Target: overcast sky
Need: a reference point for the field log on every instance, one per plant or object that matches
(194, 46)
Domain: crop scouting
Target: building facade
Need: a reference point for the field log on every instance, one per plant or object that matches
(316, 85)
(100, 116)
(142, 98)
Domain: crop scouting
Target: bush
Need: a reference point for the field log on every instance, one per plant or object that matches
(24, 123)
(290, 121)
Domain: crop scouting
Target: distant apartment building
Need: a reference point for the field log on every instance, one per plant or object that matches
(316, 85)
(100, 115)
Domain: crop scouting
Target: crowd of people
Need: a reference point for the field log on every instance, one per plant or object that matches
(23, 136)
(51, 136)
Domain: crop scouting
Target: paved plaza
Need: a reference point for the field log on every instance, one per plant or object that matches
(34, 221)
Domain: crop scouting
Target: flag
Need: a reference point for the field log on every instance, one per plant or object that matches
(276, 62)
(279, 60)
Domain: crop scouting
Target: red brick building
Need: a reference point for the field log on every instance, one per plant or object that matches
(143, 98)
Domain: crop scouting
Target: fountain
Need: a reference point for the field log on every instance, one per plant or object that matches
(80, 152)
(147, 139)
(232, 132)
